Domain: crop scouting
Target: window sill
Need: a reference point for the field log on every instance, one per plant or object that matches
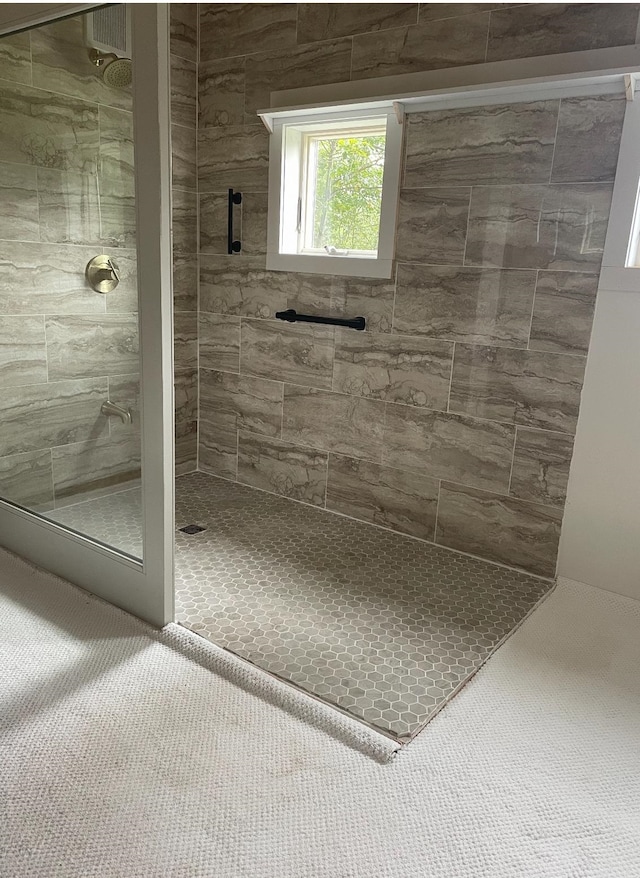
(345, 266)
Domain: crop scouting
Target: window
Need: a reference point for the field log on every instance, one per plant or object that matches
(333, 193)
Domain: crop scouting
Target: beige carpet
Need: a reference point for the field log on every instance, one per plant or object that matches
(123, 757)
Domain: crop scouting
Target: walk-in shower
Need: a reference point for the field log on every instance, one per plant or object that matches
(369, 498)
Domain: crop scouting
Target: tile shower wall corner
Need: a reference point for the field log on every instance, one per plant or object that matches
(451, 418)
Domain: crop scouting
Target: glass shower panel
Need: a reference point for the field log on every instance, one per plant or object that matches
(70, 442)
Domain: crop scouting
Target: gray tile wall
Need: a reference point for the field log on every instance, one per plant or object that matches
(66, 194)
(452, 417)
(184, 80)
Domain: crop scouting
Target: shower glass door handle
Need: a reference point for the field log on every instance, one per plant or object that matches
(86, 427)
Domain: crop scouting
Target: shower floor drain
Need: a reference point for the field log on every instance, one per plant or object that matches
(192, 529)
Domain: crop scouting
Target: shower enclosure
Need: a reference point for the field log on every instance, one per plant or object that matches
(85, 301)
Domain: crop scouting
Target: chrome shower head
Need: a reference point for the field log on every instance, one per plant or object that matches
(116, 72)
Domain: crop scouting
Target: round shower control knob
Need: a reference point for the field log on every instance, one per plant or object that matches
(103, 274)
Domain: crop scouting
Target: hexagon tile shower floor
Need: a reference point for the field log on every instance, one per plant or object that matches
(382, 625)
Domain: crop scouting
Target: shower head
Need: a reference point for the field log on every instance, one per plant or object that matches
(118, 73)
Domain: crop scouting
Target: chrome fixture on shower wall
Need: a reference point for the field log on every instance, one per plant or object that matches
(116, 72)
(103, 274)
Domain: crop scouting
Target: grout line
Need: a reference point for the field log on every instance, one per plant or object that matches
(466, 236)
(533, 308)
(453, 357)
(435, 526)
(513, 460)
(486, 45)
(555, 141)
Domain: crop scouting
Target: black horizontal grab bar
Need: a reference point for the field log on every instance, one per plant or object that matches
(293, 317)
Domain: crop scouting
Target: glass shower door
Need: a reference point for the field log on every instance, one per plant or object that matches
(83, 452)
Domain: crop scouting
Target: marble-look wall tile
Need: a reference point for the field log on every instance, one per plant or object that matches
(213, 216)
(186, 393)
(239, 285)
(312, 64)
(554, 28)
(404, 369)
(563, 311)
(39, 416)
(254, 223)
(55, 282)
(484, 306)
(68, 207)
(255, 403)
(15, 58)
(511, 143)
(299, 354)
(501, 529)
(342, 297)
(185, 339)
(233, 156)
(124, 390)
(185, 282)
(333, 422)
(186, 419)
(18, 203)
(401, 501)
(184, 92)
(221, 93)
(87, 347)
(218, 445)
(541, 466)
(184, 30)
(328, 21)
(447, 446)
(228, 29)
(23, 356)
(50, 130)
(371, 299)
(219, 342)
(436, 11)
(529, 388)
(116, 178)
(85, 470)
(183, 150)
(185, 221)
(450, 43)
(289, 470)
(559, 227)
(26, 479)
(61, 64)
(432, 225)
(186, 448)
(588, 139)
(124, 299)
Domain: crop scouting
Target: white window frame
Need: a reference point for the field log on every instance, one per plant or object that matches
(285, 175)
(622, 244)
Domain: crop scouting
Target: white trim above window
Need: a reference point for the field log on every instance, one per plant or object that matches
(291, 244)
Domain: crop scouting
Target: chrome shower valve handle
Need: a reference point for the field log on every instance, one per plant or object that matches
(103, 274)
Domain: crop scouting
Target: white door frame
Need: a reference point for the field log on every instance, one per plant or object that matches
(143, 588)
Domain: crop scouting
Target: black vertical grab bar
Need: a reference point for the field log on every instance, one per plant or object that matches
(233, 246)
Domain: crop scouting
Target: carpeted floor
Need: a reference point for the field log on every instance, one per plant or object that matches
(123, 757)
